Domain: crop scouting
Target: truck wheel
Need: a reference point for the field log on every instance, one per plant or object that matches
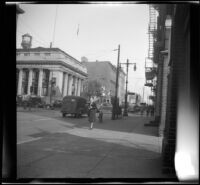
(79, 114)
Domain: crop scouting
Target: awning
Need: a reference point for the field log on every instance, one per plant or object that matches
(149, 84)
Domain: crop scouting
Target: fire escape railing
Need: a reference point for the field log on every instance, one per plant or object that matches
(149, 64)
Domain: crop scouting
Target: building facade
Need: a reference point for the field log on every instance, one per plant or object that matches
(105, 73)
(49, 73)
(177, 121)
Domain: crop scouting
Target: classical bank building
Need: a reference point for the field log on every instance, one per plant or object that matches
(47, 72)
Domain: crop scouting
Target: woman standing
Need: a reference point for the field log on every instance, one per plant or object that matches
(92, 114)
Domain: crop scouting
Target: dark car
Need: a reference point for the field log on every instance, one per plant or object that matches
(75, 105)
(57, 104)
(136, 108)
(19, 100)
(37, 102)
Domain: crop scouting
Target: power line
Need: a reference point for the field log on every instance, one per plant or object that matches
(33, 31)
(100, 51)
(54, 25)
(34, 39)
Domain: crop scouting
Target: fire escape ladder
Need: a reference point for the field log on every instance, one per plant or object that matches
(151, 33)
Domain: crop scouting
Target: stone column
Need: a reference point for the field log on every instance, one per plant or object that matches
(79, 87)
(50, 75)
(59, 82)
(30, 79)
(40, 82)
(70, 85)
(76, 86)
(65, 93)
(19, 90)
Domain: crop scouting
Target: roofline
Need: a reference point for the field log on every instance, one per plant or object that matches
(115, 68)
(30, 62)
(49, 49)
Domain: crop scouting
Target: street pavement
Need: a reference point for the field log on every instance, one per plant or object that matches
(49, 146)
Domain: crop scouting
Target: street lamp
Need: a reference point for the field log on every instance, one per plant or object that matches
(126, 94)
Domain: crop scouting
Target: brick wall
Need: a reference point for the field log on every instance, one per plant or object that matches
(177, 80)
(159, 89)
(165, 81)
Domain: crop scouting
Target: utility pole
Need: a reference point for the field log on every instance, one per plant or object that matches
(126, 94)
(143, 95)
(114, 109)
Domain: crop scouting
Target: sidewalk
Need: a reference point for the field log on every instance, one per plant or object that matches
(112, 149)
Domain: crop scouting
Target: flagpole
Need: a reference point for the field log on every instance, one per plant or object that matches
(78, 30)
(54, 26)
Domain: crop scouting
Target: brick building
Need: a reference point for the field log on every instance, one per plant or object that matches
(105, 73)
(173, 89)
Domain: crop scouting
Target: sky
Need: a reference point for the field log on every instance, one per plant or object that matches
(93, 31)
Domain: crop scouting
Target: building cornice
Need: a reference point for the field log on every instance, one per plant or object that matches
(41, 49)
(50, 62)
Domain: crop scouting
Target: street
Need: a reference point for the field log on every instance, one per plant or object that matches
(49, 146)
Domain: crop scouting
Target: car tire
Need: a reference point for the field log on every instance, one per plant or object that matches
(63, 115)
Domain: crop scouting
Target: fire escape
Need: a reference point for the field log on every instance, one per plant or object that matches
(150, 68)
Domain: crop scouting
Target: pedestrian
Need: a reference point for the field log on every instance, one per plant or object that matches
(147, 111)
(100, 114)
(92, 114)
(152, 111)
(141, 111)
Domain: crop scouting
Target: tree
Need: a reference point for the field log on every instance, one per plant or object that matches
(92, 88)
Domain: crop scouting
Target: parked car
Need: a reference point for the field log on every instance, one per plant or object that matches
(57, 104)
(19, 100)
(37, 102)
(136, 108)
(75, 105)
